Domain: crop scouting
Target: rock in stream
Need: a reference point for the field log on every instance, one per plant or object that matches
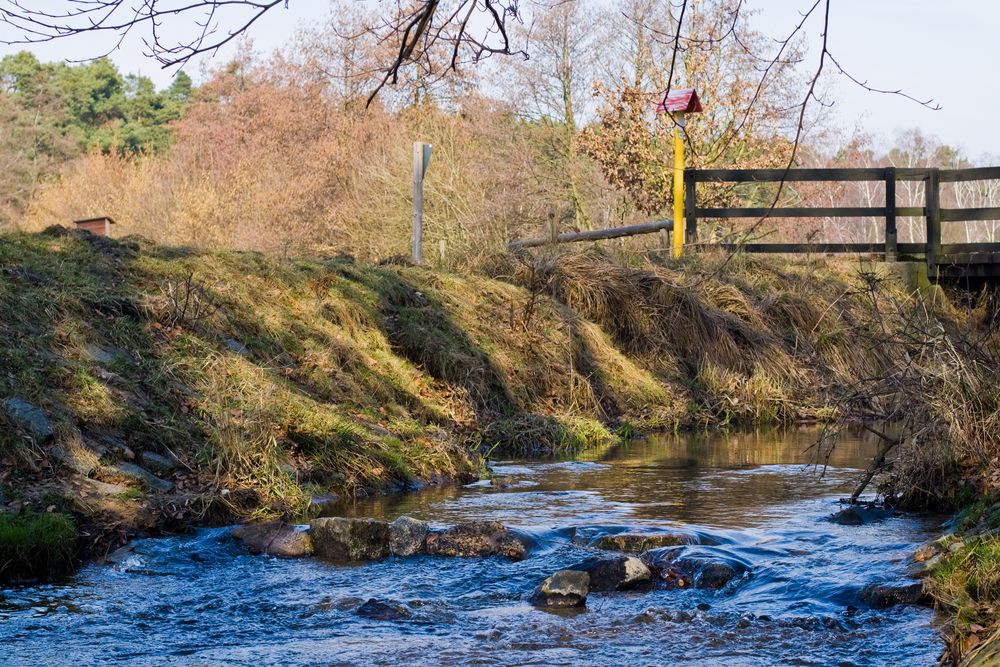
(565, 588)
(677, 569)
(620, 573)
(881, 596)
(377, 610)
(477, 538)
(274, 539)
(407, 536)
(347, 540)
(638, 543)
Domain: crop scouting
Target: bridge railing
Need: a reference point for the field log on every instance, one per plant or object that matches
(933, 250)
(973, 258)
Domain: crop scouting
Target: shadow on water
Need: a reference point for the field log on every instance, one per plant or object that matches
(748, 498)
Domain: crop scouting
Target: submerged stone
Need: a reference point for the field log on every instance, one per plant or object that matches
(859, 515)
(407, 536)
(377, 610)
(881, 596)
(714, 575)
(501, 481)
(615, 574)
(637, 543)
(701, 570)
(342, 539)
(565, 588)
(322, 504)
(274, 539)
(477, 538)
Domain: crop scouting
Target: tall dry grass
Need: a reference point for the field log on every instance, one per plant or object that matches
(269, 159)
(782, 340)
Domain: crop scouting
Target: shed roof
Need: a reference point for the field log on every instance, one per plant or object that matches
(683, 100)
(99, 218)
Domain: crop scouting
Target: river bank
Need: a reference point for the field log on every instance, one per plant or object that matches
(147, 389)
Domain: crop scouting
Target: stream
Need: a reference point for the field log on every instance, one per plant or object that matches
(199, 599)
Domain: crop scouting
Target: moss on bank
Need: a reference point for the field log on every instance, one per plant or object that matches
(36, 546)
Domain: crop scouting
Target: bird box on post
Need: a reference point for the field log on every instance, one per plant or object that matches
(100, 226)
(684, 100)
(677, 103)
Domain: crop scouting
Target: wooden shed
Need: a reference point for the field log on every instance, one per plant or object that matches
(100, 226)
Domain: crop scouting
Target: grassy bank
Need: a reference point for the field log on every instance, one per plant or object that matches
(34, 546)
(255, 384)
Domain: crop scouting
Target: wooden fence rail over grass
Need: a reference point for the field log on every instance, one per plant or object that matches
(958, 260)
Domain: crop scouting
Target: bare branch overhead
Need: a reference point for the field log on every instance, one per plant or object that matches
(173, 31)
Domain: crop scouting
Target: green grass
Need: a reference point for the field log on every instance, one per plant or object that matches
(968, 582)
(36, 546)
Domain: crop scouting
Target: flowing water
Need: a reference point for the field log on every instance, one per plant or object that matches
(199, 599)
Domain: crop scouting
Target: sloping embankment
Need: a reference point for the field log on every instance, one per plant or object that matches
(146, 387)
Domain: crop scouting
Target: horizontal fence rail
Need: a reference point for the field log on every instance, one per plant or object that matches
(962, 259)
(934, 252)
(594, 235)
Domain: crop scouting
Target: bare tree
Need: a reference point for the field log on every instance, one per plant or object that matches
(467, 30)
(175, 31)
(207, 25)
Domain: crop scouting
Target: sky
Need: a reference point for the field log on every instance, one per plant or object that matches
(927, 48)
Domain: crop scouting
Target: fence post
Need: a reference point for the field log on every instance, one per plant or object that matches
(690, 216)
(932, 195)
(421, 160)
(891, 248)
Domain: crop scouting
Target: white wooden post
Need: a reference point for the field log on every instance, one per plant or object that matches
(421, 160)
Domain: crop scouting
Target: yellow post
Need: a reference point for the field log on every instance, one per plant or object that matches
(678, 190)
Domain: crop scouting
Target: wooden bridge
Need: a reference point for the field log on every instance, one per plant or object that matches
(954, 260)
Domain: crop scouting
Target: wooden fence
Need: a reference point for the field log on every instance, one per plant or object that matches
(934, 252)
(970, 258)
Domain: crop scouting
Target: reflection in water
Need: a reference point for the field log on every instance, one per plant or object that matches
(732, 480)
(199, 599)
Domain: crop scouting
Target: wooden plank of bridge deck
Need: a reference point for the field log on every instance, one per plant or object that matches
(798, 175)
(823, 212)
(801, 248)
(968, 214)
(963, 258)
(963, 248)
(973, 174)
(982, 270)
(778, 175)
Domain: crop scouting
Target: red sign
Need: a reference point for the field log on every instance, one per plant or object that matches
(684, 100)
